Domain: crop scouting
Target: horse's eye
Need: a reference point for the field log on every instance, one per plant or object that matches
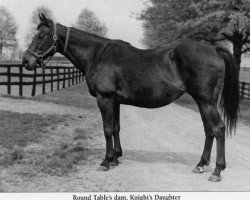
(40, 37)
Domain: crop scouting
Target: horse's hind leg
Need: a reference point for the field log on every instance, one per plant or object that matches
(214, 127)
(205, 158)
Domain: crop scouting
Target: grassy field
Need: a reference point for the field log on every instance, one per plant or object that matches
(50, 144)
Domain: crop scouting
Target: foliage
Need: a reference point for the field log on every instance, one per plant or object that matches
(8, 29)
(87, 21)
(34, 21)
(212, 21)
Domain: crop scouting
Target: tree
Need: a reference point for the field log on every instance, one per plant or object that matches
(208, 20)
(8, 29)
(34, 21)
(87, 21)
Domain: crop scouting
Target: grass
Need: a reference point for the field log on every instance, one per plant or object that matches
(82, 134)
(56, 162)
(20, 129)
(77, 96)
(27, 133)
(64, 160)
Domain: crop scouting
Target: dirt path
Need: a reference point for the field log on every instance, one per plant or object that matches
(160, 148)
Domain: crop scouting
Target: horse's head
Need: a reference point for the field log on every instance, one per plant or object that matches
(43, 44)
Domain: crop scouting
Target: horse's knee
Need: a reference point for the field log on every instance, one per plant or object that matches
(108, 132)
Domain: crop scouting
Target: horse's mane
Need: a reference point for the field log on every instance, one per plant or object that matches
(88, 34)
(95, 36)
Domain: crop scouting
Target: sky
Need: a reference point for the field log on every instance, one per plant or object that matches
(116, 14)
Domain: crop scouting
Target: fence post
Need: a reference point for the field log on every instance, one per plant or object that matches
(21, 80)
(242, 90)
(68, 77)
(34, 84)
(73, 76)
(9, 80)
(44, 81)
(76, 76)
(64, 77)
(51, 79)
(58, 82)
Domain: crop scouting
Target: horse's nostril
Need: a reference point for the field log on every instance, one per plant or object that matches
(25, 62)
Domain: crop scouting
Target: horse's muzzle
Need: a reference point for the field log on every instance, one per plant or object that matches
(27, 65)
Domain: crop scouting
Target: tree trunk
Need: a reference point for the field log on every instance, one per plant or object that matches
(237, 54)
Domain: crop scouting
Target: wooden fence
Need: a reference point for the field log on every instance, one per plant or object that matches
(244, 90)
(55, 76)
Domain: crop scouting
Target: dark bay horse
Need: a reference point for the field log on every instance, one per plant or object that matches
(118, 73)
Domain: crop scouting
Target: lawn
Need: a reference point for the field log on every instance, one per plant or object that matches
(50, 144)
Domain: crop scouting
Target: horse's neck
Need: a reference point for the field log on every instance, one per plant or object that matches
(80, 49)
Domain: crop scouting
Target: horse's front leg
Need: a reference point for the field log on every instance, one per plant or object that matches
(106, 106)
(117, 143)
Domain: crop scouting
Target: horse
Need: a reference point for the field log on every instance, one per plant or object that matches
(117, 73)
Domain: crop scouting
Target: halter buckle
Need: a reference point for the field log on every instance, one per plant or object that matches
(55, 38)
(40, 58)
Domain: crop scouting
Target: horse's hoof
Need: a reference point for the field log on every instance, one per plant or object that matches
(103, 168)
(214, 178)
(198, 170)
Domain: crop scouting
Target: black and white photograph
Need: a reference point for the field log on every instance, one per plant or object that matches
(146, 98)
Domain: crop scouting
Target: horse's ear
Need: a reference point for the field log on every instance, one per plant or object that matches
(42, 17)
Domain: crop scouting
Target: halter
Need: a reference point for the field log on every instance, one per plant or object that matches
(40, 57)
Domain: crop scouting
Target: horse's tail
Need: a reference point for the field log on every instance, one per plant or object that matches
(230, 94)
